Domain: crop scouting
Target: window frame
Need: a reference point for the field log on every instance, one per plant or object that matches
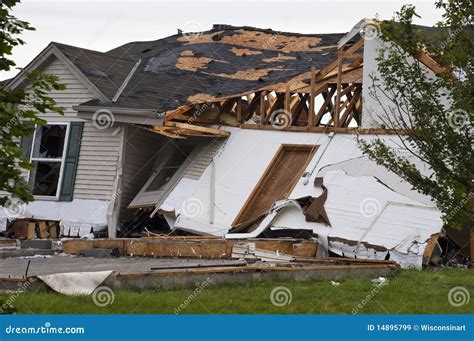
(62, 160)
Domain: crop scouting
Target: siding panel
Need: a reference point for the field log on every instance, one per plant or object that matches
(98, 156)
(98, 161)
(76, 92)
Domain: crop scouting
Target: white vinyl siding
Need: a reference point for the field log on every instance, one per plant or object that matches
(98, 156)
(98, 162)
(203, 160)
(76, 92)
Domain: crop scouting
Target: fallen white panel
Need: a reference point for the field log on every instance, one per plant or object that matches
(182, 191)
(75, 283)
(267, 221)
(401, 226)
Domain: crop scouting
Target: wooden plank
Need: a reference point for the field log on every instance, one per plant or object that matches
(350, 106)
(170, 135)
(53, 229)
(239, 109)
(262, 107)
(431, 64)
(252, 106)
(287, 98)
(312, 114)
(336, 112)
(354, 48)
(432, 242)
(43, 230)
(198, 128)
(213, 248)
(300, 106)
(327, 100)
(278, 102)
(177, 112)
(31, 231)
(363, 131)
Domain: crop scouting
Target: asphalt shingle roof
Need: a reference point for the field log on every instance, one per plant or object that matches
(223, 61)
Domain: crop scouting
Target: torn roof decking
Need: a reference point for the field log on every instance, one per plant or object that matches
(188, 68)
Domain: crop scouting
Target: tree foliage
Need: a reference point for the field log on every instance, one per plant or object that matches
(432, 113)
(20, 108)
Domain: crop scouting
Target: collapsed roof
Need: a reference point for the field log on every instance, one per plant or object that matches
(183, 68)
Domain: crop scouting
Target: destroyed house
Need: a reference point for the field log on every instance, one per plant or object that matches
(235, 132)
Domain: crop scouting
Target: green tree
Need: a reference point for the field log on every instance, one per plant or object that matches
(20, 108)
(433, 115)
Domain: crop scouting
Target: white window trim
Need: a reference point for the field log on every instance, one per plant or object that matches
(62, 160)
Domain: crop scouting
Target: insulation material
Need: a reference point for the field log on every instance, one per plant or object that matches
(3, 224)
(75, 283)
(92, 212)
(79, 229)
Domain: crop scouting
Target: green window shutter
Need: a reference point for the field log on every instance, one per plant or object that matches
(70, 163)
(26, 143)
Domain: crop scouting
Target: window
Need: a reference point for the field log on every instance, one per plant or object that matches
(47, 157)
(171, 166)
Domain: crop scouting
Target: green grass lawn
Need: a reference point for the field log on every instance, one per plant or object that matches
(408, 292)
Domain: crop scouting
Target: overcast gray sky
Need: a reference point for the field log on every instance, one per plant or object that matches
(104, 24)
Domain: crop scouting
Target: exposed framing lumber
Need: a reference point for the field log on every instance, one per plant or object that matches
(177, 112)
(252, 105)
(239, 110)
(431, 64)
(349, 110)
(340, 58)
(169, 134)
(262, 107)
(277, 104)
(326, 104)
(311, 113)
(364, 131)
(198, 128)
